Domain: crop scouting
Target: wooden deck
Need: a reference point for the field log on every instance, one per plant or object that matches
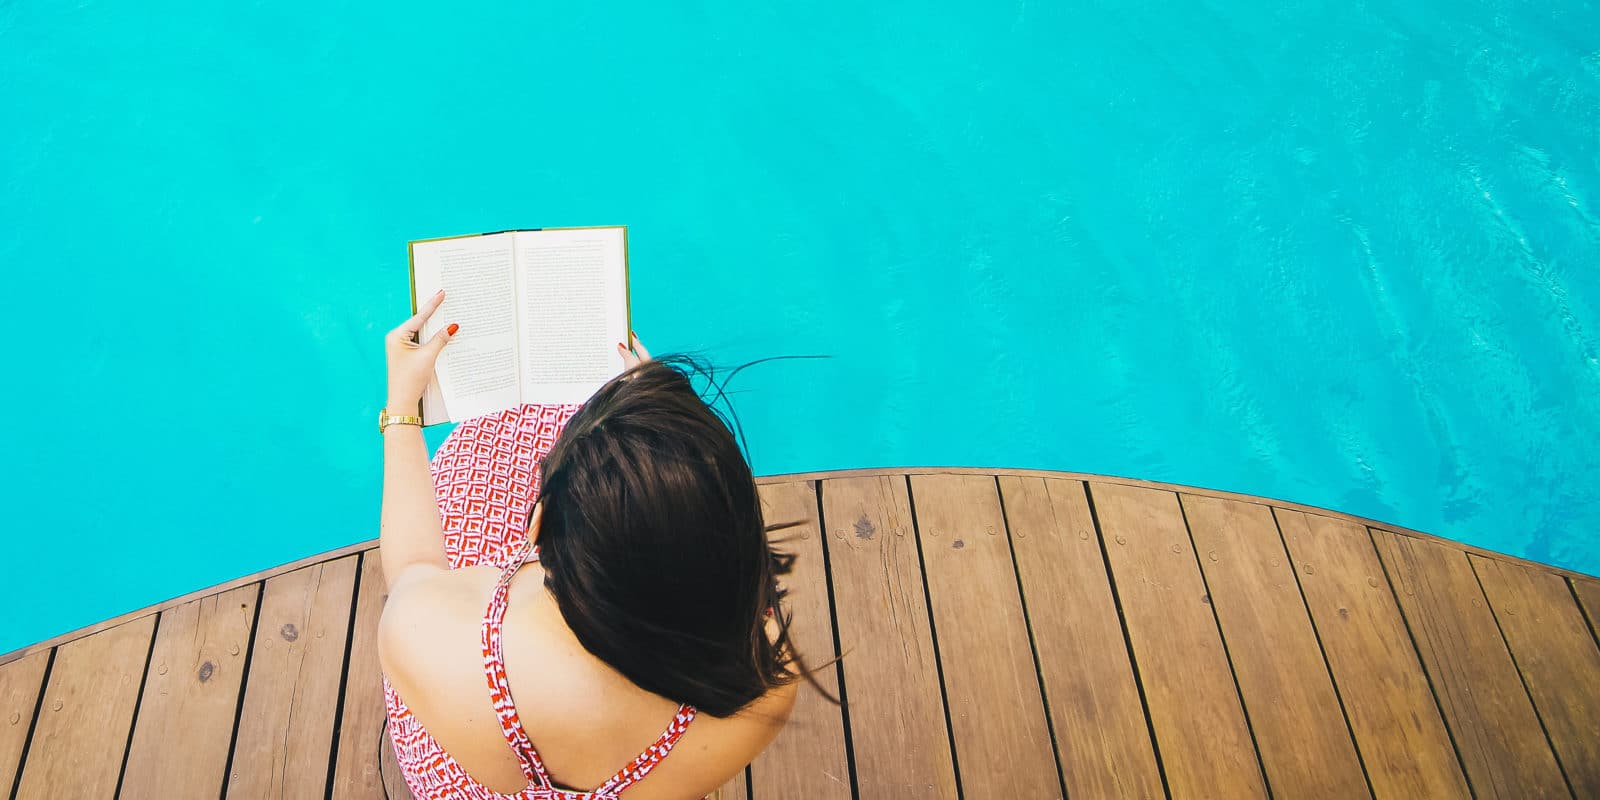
(1010, 635)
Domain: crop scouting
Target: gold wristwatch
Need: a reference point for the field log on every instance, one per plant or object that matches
(385, 419)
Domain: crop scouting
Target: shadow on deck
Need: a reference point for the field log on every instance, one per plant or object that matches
(1011, 634)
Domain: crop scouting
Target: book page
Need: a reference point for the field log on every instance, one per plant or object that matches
(477, 373)
(572, 311)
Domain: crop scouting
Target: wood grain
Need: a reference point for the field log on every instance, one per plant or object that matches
(983, 640)
(1558, 660)
(191, 697)
(1102, 742)
(1402, 739)
(1588, 592)
(389, 769)
(225, 586)
(82, 733)
(355, 764)
(1300, 729)
(286, 724)
(1496, 730)
(897, 722)
(808, 758)
(1118, 480)
(1201, 733)
(21, 681)
(815, 476)
(897, 716)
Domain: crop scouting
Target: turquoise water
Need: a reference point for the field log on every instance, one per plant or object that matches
(1339, 253)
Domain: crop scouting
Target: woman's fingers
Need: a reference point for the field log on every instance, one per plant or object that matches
(440, 339)
(634, 355)
(409, 328)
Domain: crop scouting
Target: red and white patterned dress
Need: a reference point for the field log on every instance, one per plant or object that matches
(485, 475)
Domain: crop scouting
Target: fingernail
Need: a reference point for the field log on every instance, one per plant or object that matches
(633, 333)
(621, 346)
(436, 294)
(451, 331)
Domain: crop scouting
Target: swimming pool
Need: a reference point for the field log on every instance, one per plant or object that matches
(1341, 254)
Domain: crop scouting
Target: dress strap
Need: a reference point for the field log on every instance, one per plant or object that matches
(494, 668)
(646, 761)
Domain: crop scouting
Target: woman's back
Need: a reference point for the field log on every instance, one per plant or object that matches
(492, 693)
(585, 720)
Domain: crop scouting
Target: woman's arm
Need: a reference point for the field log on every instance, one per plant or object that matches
(410, 539)
(409, 530)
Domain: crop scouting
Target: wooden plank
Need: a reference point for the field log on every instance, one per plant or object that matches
(356, 766)
(897, 721)
(1201, 732)
(808, 758)
(736, 789)
(286, 725)
(1496, 730)
(1168, 487)
(82, 732)
(1588, 592)
(20, 684)
(1299, 726)
(1003, 745)
(226, 586)
(191, 695)
(1558, 660)
(814, 476)
(1398, 730)
(1102, 742)
(389, 768)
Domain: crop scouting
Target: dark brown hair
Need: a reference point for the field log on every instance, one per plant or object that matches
(654, 546)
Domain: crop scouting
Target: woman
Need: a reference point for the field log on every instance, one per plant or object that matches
(608, 634)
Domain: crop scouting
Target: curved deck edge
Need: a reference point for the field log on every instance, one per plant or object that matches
(1181, 489)
(370, 544)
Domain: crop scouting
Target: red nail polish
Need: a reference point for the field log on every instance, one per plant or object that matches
(451, 331)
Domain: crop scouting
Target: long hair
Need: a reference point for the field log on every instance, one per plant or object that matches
(654, 545)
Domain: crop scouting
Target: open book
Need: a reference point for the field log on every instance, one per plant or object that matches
(541, 313)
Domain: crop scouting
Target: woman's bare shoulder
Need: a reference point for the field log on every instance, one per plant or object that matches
(430, 648)
(426, 629)
(587, 718)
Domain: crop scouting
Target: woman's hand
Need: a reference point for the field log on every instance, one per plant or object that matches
(410, 363)
(636, 354)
